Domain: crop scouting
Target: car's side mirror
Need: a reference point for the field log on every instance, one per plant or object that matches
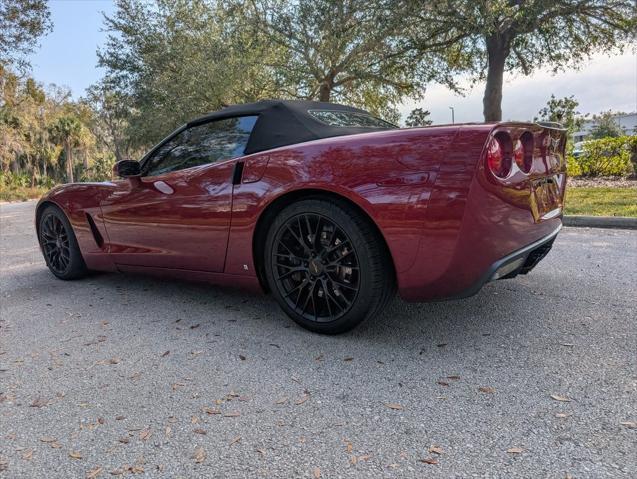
(126, 168)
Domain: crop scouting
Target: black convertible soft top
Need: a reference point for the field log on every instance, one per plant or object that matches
(286, 122)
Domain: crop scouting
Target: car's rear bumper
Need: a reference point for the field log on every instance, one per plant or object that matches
(519, 262)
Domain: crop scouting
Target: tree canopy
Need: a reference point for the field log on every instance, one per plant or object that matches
(22, 22)
(521, 36)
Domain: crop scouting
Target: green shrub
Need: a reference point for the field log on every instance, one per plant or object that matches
(605, 157)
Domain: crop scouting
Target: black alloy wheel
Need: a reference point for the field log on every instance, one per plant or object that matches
(59, 245)
(316, 267)
(327, 266)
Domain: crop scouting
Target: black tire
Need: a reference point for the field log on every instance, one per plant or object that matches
(59, 245)
(326, 254)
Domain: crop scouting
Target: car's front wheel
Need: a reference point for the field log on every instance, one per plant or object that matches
(327, 266)
(59, 245)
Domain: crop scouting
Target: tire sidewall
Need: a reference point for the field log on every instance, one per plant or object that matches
(364, 298)
(77, 267)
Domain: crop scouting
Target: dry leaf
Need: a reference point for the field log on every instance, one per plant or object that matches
(55, 445)
(317, 473)
(261, 451)
(199, 455)
(394, 406)
(629, 424)
(282, 401)
(302, 400)
(39, 402)
(347, 359)
(75, 455)
(557, 397)
(119, 418)
(232, 414)
(430, 460)
(27, 455)
(124, 440)
(242, 357)
(93, 473)
(436, 450)
(4, 464)
(145, 434)
(486, 389)
(319, 357)
(364, 458)
(165, 354)
(454, 378)
(235, 440)
(562, 414)
(515, 450)
(443, 383)
(119, 471)
(200, 431)
(48, 439)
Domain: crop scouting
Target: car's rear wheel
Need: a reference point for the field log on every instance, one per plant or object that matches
(59, 245)
(327, 266)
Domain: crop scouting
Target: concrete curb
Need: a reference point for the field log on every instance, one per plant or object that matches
(614, 222)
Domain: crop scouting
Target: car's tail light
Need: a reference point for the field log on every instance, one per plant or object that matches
(499, 156)
(523, 151)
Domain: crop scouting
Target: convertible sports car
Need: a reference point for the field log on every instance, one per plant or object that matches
(325, 206)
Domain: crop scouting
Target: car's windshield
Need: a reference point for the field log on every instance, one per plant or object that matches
(349, 119)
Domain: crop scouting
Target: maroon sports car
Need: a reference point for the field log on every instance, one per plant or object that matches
(325, 206)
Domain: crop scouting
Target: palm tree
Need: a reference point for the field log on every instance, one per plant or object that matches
(67, 131)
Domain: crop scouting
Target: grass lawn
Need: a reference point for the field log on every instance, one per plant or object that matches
(20, 193)
(601, 201)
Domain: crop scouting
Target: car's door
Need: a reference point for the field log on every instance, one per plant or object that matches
(177, 214)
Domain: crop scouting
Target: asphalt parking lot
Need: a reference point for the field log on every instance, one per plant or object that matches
(119, 375)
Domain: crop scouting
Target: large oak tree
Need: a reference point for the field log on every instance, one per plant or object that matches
(523, 35)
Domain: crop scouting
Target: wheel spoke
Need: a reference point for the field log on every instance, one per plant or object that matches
(311, 268)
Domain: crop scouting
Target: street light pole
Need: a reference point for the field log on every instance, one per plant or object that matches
(453, 119)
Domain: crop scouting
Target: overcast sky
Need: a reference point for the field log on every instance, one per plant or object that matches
(67, 56)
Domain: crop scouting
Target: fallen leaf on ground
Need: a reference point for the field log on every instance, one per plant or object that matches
(242, 357)
(48, 439)
(165, 354)
(629, 424)
(317, 473)
(124, 440)
(453, 378)
(347, 359)
(319, 357)
(4, 464)
(557, 397)
(302, 400)
(261, 451)
(394, 406)
(199, 455)
(27, 455)
(232, 414)
(145, 434)
(486, 389)
(515, 450)
(119, 418)
(200, 431)
(436, 450)
(118, 471)
(55, 445)
(430, 460)
(211, 411)
(75, 454)
(563, 414)
(39, 402)
(93, 473)
(281, 401)
(442, 383)
(235, 440)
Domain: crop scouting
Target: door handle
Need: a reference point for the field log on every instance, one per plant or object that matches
(163, 187)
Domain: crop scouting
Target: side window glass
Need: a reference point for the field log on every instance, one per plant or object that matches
(202, 144)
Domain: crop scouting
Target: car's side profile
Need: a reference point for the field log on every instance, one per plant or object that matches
(322, 205)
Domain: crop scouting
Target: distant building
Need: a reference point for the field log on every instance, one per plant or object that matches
(627, 122)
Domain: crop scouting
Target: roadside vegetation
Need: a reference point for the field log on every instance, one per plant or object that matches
(167, 62)
(601, 201)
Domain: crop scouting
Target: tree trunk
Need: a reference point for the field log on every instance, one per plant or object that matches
(69, 162)
(498, 48)
(325, 91)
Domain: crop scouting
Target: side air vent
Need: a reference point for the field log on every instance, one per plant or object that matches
(99, 240)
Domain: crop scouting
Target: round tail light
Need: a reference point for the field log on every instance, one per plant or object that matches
(498, 160)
